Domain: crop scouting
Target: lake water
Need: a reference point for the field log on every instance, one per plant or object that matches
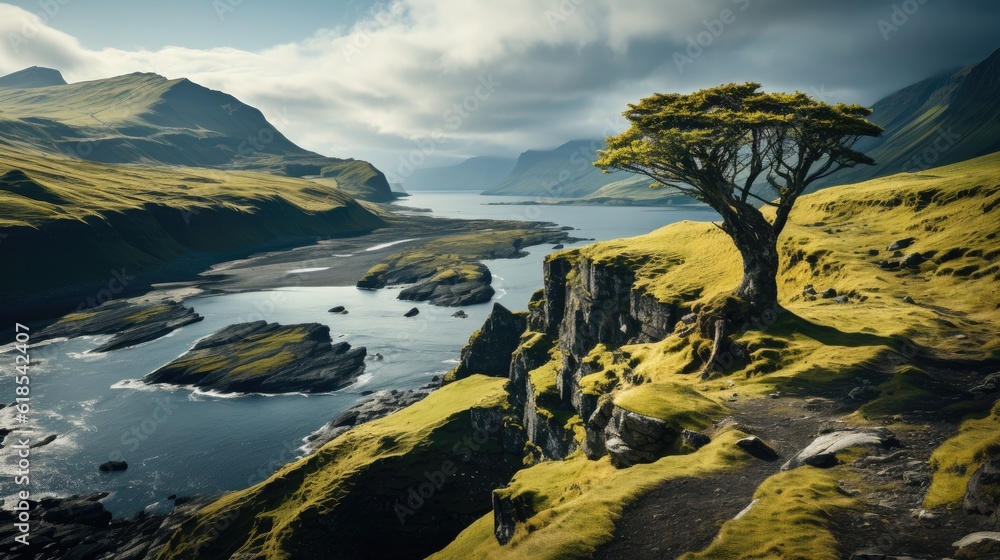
(177, 441)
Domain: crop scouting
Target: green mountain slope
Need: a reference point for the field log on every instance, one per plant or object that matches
(70, 226)
(937, 121)
(146, 118)
(565, 172)
(476, 173)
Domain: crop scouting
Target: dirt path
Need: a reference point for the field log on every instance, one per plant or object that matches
(685, 514)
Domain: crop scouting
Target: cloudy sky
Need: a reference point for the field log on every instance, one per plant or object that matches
(457, 78)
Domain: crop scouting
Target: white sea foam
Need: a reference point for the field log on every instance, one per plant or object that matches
(304, 270)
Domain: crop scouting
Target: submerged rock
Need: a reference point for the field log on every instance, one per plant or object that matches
(113, 466)
(130, 323)
(261, 357)
(461, 314)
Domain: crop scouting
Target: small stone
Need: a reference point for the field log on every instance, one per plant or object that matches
(689, 319)
(900, 244)
(412, 312)
(873, 252)
(913, 260)
(829, 293)
(756, 447)
(809, 290)
(908, 299)
(695, 439)
(961, 336)
(461, 314)
(774, 395)
(888, 265)
(339, 309)
(842, 299)
(112, 466)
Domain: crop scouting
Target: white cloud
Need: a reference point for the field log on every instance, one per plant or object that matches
(564, 67)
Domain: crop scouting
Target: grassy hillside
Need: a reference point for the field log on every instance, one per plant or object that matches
(146, 118)
(343, 496)
(897, 328)
(816, 348)
(68, 223)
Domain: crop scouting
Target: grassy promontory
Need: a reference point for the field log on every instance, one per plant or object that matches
(69, 227)
(906, 344)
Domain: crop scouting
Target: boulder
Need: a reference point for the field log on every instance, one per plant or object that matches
(829, 293)
(842, 299)
(695, 439)
(413, 312)
(913, 260)
(338, 309)
(822, 452)
(809, 290)
(461, 314)
(113, 466)
(982, 494)
(756, 447)
(873, 252)
(900, 244)
(632, 438)
(983, 544)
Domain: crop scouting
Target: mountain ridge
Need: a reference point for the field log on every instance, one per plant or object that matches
(146, 118)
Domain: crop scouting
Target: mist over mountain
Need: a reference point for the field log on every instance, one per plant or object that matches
(477, 173)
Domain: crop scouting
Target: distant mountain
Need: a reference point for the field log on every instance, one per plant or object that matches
(565, 172)
(33, 77)
(478, 173)
(937, 121)
(146, 118)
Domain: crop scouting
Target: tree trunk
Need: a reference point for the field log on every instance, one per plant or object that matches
(758, 245)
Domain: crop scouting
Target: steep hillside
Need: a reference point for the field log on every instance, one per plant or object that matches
(937, 121)
(476, 173)
(146, 118)
(71, 227)
(627, 452)
(565, 172)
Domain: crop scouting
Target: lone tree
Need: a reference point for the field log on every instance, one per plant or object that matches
(739, 149)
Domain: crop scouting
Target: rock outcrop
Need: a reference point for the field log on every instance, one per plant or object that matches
(261, 357)
(490, 348)
(130, 323)
(80, 527)
(453, 289)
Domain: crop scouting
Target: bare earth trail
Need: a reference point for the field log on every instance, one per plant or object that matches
(685, 515)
